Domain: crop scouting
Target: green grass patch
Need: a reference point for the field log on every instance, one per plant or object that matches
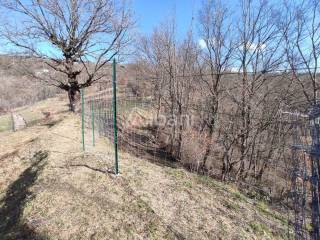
(5, 123)
(183, 180)
(31, 117)
(239, 196)
(222, 186)
(309, 227)
(260, 229)
(142, 205)
(263, 208)
(176, 173)
(152, 229)
(211, 183)
(188, 184)
(231, 205)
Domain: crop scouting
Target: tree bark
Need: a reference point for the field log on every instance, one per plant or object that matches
(72, 93)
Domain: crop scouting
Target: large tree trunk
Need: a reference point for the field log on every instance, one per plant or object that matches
(211, 127)
(73, 86)
(72, 94)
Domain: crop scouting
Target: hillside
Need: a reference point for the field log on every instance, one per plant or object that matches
(50, 189)
(17, 87)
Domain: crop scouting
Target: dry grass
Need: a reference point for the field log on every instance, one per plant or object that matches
(5, 122)
(51, 190)
(32, 114)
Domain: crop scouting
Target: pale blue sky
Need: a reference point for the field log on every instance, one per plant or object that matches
(150, 13)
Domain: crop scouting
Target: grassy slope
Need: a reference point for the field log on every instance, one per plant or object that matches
(32, 115)
(5, 122)
(49, 189)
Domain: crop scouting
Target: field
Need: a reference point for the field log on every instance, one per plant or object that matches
(31, 115)
(5, 122)
(50, 189)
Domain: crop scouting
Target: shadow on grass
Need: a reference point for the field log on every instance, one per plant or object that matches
(51, 124)
(11, 224)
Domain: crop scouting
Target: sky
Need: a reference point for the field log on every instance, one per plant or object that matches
(150, 13)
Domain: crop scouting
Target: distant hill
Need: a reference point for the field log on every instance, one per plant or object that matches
(17, 88)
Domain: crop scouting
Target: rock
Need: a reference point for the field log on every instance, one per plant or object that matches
(18, 122)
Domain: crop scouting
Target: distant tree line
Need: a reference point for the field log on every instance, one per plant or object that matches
(236, 78)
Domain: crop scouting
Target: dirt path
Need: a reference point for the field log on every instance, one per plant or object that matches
(50, 189)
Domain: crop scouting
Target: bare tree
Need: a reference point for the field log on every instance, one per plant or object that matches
(258, 53)
(151, 54)
(75, 38)
(301, 29)
(171, 63)
(300, 26)
(217, 48)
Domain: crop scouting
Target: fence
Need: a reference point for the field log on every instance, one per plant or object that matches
(304, 190)
(115, 114)
(126, 118)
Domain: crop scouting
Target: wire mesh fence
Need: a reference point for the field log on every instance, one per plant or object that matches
(116, 114)
(130, 121)
(304, 188)
(99, 113)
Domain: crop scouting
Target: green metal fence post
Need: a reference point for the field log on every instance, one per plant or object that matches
(82, 118)
(114, 86)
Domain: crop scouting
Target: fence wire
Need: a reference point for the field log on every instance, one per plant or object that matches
(297, 173)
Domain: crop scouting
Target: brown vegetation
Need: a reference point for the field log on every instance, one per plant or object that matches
(235, 87)
(50, 189)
